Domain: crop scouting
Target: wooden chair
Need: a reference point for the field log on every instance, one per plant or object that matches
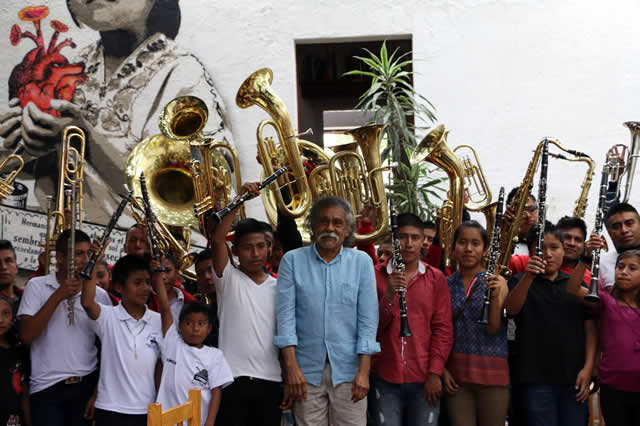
(188, 412)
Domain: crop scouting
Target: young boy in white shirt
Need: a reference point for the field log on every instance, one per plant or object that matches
(131, 335)
(187, 363)
(246, 298)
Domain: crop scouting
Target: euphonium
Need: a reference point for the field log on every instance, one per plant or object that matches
(356, 177)
(256, 90)
(634, 148)
(71, 166)
(478, 193)
(433, 148)
(6, 183)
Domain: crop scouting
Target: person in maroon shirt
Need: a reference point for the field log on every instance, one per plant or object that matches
(407, 372)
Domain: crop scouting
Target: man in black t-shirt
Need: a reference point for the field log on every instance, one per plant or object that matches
(555, 342)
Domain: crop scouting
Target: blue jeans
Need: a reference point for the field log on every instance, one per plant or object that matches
(390, 401)
(553, 405)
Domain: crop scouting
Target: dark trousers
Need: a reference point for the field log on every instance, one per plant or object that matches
(620, 408)
(554, 405)
(249, 401)
(62, 404)
(108, 418)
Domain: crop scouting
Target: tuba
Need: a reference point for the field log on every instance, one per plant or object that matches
(434, 149)
(6, 183)
(212, 179)
(68, 210)
(356, 177)
(294, 197)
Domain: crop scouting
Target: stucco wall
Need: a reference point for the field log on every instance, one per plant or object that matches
(502, 74)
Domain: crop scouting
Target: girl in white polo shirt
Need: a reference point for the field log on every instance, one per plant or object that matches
(131, 335)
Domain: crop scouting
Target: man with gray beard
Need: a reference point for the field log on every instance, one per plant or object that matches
(327, 318)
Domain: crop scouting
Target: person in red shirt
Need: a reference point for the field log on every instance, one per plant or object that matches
(407, 372)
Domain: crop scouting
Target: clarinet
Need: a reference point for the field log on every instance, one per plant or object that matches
(246, 196)
(592, 296)
(86, 273)
(155, 251)
(542, 198)
(492, 258)
(398, 265)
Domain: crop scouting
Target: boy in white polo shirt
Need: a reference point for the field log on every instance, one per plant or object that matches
(187, 363)
(131, 335)
(64, 355)
(246, 310)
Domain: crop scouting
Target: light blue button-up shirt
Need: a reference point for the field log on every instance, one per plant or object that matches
(327, 309)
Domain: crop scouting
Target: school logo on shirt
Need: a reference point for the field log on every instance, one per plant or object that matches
(201, 378)
(152, 342)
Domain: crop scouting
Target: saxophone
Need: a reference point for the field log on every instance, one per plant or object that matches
(510, 229)
(398, 265)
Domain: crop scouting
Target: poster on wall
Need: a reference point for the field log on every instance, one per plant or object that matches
(107, 67)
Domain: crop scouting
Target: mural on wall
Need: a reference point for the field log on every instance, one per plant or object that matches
(114, 88)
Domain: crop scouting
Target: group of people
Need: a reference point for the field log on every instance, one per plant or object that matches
(316, 329)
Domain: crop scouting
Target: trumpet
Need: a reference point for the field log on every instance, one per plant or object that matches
(71, 166)
(6, 183)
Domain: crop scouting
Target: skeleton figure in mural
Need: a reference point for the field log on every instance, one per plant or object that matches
(117, 89)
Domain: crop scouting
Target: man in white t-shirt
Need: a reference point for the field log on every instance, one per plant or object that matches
(63, 351)
(623, 225)
(246, 310)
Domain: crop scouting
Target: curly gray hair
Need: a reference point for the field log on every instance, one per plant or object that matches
(323, 203)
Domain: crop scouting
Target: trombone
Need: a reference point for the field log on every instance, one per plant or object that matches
(68, 210)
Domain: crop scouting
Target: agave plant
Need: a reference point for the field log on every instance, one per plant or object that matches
(395, 102)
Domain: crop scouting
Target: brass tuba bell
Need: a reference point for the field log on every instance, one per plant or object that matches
(434, 149)
(183, 120)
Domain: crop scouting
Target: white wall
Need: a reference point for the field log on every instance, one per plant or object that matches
(502, 74)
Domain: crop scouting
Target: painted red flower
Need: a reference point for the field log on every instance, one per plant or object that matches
(35, 13)
(16, 35)
(59, 26)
